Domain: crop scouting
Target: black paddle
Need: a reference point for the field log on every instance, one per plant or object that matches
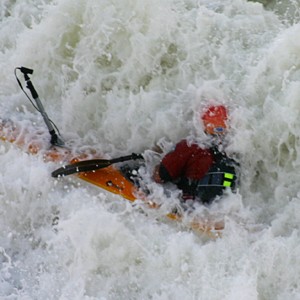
(92, 165)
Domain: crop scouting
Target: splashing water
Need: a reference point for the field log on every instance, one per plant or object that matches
(122, 76)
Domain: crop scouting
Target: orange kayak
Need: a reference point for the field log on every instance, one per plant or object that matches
(109, 178)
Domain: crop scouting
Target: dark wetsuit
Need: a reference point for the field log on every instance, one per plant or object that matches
(201, 174)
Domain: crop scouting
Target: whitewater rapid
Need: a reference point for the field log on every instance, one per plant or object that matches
(123, 77)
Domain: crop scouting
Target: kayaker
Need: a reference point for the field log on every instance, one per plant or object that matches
(201, 173)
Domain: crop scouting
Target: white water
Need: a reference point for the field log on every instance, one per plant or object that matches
(121, 76)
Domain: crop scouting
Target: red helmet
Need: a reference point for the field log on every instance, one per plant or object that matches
(214, 119)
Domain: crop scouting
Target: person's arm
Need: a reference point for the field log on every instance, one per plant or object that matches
(172, 164)
(161, 174)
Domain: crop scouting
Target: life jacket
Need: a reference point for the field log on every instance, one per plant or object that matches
(220, 176)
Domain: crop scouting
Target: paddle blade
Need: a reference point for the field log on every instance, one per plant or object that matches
(92, 165)
(81, 166)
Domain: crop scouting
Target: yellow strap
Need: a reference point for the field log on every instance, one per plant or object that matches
(227, 183)
(228, 175)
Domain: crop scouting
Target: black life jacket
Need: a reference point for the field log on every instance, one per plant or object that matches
(222, 175)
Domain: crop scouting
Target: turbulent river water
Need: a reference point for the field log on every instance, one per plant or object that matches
(122, 77)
